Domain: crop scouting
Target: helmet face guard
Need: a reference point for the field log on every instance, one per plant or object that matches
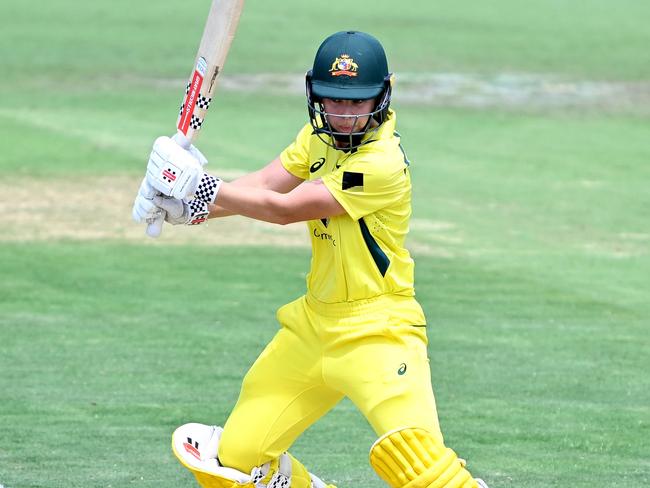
(351, 140)
(349, 65)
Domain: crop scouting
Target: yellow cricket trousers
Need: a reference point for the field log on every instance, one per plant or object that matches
(372, 351)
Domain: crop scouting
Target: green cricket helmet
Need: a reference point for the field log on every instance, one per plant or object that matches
(349, 65)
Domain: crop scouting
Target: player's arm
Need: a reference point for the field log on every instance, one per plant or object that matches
(308, 201)
(273, 177)
(179, 177)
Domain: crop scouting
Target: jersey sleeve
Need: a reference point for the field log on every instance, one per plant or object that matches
(363, 188)
(295, 158)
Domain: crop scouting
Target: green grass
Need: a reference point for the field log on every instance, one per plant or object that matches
(530, 233)
(538, 382)
(565, 183)
(594, 39)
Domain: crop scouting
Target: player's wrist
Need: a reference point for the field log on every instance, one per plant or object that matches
(199, 212)
(207, 189)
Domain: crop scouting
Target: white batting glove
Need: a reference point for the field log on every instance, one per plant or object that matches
(144, 209)
(174, 171)
(182, 141)
(178, 212)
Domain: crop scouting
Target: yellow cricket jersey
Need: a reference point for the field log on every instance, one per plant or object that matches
(359, 255)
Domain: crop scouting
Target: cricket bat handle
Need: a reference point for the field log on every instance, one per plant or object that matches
(154, 228)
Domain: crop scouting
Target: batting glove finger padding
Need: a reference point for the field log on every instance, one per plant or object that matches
(172, 170)
(198, 155)
(182, 141)
(180, 212)
(144, 209)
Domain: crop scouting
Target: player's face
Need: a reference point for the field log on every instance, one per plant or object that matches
(343, 115)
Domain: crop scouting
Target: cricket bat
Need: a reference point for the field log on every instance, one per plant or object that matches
(217, 36)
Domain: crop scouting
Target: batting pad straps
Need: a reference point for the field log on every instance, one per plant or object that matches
(208, 188)
(413, 458)
(285, 472)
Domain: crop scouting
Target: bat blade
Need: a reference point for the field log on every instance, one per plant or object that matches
(215, 43)
(217, 37)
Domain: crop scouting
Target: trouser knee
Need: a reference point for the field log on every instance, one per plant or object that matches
(236, 454)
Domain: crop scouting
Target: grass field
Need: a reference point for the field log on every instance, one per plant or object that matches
(530, 233)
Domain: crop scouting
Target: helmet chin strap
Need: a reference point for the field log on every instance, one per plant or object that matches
(352, 141)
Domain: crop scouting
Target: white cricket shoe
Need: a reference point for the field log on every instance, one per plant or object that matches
(481, 483)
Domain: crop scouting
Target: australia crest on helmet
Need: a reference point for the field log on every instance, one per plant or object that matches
(344, 65)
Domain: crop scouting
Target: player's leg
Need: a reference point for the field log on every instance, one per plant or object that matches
(391, 386)
(277, 403)
(385, 371)
(196, 446)
(282, 394)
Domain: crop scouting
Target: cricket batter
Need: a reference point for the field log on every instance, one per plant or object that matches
(358, 331)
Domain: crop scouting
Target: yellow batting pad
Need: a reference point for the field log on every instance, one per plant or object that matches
(206, 480)
(412, 458)
(195, 446)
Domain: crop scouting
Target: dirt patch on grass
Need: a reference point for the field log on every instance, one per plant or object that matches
(517, 91)
(99, 208)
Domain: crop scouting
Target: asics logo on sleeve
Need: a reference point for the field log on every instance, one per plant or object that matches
(317, 165)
